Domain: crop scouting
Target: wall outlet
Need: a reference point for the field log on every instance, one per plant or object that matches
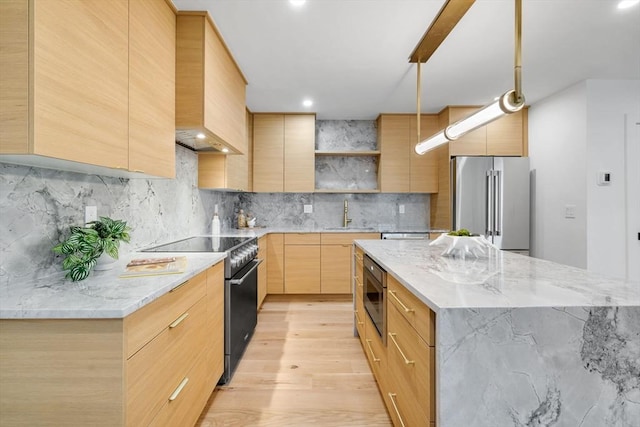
(308, 208)
(401, 209)
(569, 211)
(90, 214)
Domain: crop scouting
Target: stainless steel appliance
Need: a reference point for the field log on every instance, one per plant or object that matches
(490, 196)
(240, 289)
(406, 236)
(375, 295)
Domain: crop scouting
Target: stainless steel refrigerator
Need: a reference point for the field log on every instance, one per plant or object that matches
(490, 196)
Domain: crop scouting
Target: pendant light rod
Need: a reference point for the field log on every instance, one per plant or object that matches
(517, 69)
(418, 91)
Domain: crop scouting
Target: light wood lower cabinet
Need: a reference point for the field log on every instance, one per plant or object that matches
(157, 366)
(335, 261)
(275, 268)
(262, 269)
(302, 263)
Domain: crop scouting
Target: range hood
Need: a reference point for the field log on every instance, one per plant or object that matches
(210, 143)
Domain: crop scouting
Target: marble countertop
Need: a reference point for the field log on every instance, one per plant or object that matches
(497, 279)
(102, 295)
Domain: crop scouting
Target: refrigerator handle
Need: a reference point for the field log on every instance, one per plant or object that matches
(489, 204)
(497, 197)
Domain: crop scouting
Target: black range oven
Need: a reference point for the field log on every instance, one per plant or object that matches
(375, 296)
(240, 289)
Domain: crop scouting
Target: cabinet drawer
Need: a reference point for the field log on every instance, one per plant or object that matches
(190, 394)
(346, 238)
(359, 319)
(375, 351)
(411, 308)
(410, 362)
(302, 238)
(144, 324)
(152, 372)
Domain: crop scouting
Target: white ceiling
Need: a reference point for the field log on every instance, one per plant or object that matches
(351, 56)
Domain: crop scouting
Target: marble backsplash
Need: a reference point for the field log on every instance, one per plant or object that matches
(37, 207)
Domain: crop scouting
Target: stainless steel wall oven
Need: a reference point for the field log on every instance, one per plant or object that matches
(375, 296)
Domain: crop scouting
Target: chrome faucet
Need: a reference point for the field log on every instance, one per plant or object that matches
(346, 220)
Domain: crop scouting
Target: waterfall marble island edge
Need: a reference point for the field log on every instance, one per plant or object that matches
(522, 341)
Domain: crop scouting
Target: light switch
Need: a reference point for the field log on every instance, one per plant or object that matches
(569, 211)
(308, 208)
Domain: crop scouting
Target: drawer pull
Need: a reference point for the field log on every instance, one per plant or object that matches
(406, 309)
(358, 318)
(406, 361)
(375, 359)
(178, 320)
(359, 258)
(179, 286)
(357, 279)
(177, 391)
(392, 396)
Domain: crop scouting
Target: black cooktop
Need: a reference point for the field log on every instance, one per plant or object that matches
(201, 244)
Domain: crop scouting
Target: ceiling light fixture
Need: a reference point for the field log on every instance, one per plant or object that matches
(509, 103)
(225, 150)
(201, 136)
(626, 4)
(297, 3)
(307, 103)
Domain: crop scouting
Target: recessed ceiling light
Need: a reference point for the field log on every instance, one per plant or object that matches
(625, 4)
(201, 136)
(297, 3)
(225, 150)
(307, 103)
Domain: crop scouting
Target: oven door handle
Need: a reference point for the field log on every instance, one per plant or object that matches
(256, 263)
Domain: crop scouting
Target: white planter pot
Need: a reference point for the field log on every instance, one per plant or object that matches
(105, 262)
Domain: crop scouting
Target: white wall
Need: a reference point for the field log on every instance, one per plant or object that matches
(573, 135)
(557, 150)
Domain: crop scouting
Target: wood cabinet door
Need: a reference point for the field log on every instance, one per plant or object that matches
(335, 271)
(275, 267)
(302, 269)
(224, 92)
(299, 152)
(215, 324)
(268, 152)
(423, 168)
(394, 139)
(505, 135)
(262, 269)
(152, 56)
(81, 81)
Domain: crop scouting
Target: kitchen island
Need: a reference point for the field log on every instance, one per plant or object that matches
(521, 341)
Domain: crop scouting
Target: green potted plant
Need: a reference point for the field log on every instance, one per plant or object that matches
(86, 244)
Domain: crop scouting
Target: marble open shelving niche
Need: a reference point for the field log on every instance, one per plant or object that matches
(347, 171)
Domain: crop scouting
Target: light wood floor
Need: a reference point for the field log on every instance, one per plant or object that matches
(303, 367)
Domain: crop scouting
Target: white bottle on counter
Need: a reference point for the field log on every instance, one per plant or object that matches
(215, 225)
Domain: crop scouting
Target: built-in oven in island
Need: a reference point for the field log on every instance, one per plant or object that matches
(375, 296)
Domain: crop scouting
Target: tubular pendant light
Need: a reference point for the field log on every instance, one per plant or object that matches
(510, 102)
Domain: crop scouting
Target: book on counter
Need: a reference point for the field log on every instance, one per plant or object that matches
(155, 266)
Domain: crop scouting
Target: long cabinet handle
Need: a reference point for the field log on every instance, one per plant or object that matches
(357, 279)
(405, 308)
(358, 318)
(392, 396)
(406, 361)
(358, 257)
(177, 391)
(178, 320)
(179, 286)
(375, 359)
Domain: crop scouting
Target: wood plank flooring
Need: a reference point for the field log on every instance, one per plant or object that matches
(303, 367)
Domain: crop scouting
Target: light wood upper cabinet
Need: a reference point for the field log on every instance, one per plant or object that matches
(231, 172)
(283, 152)
(401, 169)
(299, 152)
(210, 88)
(88, 61)
(152, 58)
(394, 137)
